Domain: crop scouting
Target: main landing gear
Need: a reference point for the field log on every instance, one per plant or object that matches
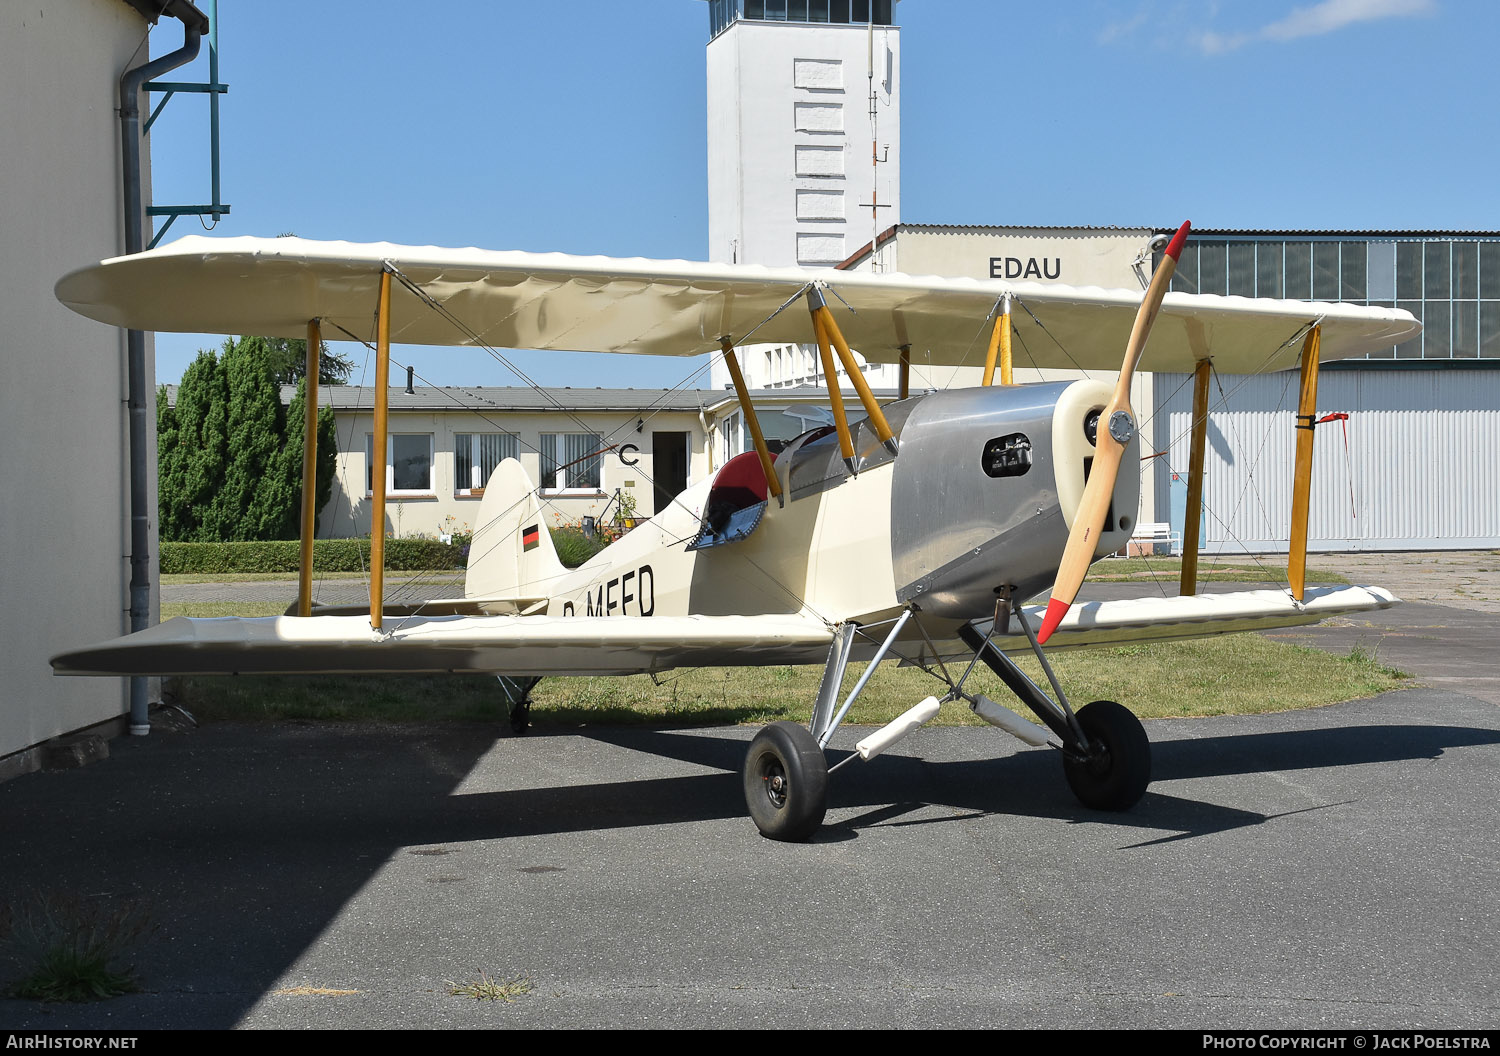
(517, 693)
(786, 782)
(1105, 753)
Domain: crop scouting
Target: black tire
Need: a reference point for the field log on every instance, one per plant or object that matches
(520, 717)
(1118, 769)
(786, 782)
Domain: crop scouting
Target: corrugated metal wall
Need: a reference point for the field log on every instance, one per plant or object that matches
(1421, 472)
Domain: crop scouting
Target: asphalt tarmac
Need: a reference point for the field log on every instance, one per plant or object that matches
(1333, 868)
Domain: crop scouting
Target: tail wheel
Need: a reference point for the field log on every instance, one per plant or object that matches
(1117, 769)
(786, 782)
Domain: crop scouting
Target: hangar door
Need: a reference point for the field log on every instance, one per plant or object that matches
(1418, 471)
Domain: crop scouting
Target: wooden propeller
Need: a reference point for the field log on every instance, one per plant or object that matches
(1117, 426)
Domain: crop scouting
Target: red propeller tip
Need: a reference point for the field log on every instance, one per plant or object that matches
(1174, 247)
(1056, 610)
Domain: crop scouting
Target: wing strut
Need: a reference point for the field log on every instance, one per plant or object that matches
(999, 347)
(751, 421)
(1194, 513)
(835, 394)
(379, 460)
(309, 469)
(1307, 401)
(828, 333)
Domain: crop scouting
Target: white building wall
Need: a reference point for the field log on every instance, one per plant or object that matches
(791, 180)
(64, 522)
(1103, 257)
(445, 508)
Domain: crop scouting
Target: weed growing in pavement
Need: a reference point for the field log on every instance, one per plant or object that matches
(74, 949)
(487, 989)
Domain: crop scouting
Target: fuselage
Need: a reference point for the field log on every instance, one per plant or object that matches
(976, 502)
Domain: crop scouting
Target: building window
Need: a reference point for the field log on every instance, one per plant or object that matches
(408, 464)
(1213, 267)
(724, 13)
(1241, 280)
(1268, 270)
(1452, 287)
(570, 461)
(475, 456)
(1354, 271)
(733, 436)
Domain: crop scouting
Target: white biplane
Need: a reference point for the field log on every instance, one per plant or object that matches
(917, 531)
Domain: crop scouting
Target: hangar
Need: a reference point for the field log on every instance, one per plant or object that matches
(1402, 460)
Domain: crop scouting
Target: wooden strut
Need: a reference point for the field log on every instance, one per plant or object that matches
(378, 452)
(830, 333)
(309, 470)
(1188, 584)
(1007, 374)
(1307, 402)
(999, 348)
(751, 421)
(835, 395)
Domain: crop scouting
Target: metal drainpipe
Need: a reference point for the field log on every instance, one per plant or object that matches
(195, 24)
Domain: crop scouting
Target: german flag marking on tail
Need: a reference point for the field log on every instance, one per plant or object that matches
(529, 538)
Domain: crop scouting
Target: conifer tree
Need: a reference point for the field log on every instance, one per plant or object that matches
(230, 455)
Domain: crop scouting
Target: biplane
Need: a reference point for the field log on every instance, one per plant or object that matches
(915, 531)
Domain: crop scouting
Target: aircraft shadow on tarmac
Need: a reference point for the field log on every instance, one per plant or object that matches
(1027, 782)
(245, 846)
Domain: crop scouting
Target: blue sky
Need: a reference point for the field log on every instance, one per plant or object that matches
(580, 127)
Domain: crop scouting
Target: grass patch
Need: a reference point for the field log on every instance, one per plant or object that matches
(204, 609)
(73, 949)
(1233, 675)
(1269, 569)
(487, 989)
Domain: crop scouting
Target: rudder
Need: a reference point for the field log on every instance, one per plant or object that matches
(511, 553)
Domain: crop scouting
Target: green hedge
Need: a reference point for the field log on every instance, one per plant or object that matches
(573, 547)
(329, 555)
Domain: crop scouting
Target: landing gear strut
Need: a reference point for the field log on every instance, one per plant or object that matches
(1106, 754)
(786, 774)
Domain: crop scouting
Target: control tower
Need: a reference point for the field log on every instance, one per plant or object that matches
(804, 141)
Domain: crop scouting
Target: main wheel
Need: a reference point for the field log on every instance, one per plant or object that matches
(518, 701)
(1118, 767)
(786, 782)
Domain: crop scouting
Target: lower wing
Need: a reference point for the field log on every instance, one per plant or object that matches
(1102, 623)
(621, 645)
(511, 645)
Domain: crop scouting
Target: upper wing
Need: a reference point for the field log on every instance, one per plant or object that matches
(511, 645)
(273, 286)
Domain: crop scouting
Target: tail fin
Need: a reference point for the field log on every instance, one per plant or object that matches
(511, 553)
